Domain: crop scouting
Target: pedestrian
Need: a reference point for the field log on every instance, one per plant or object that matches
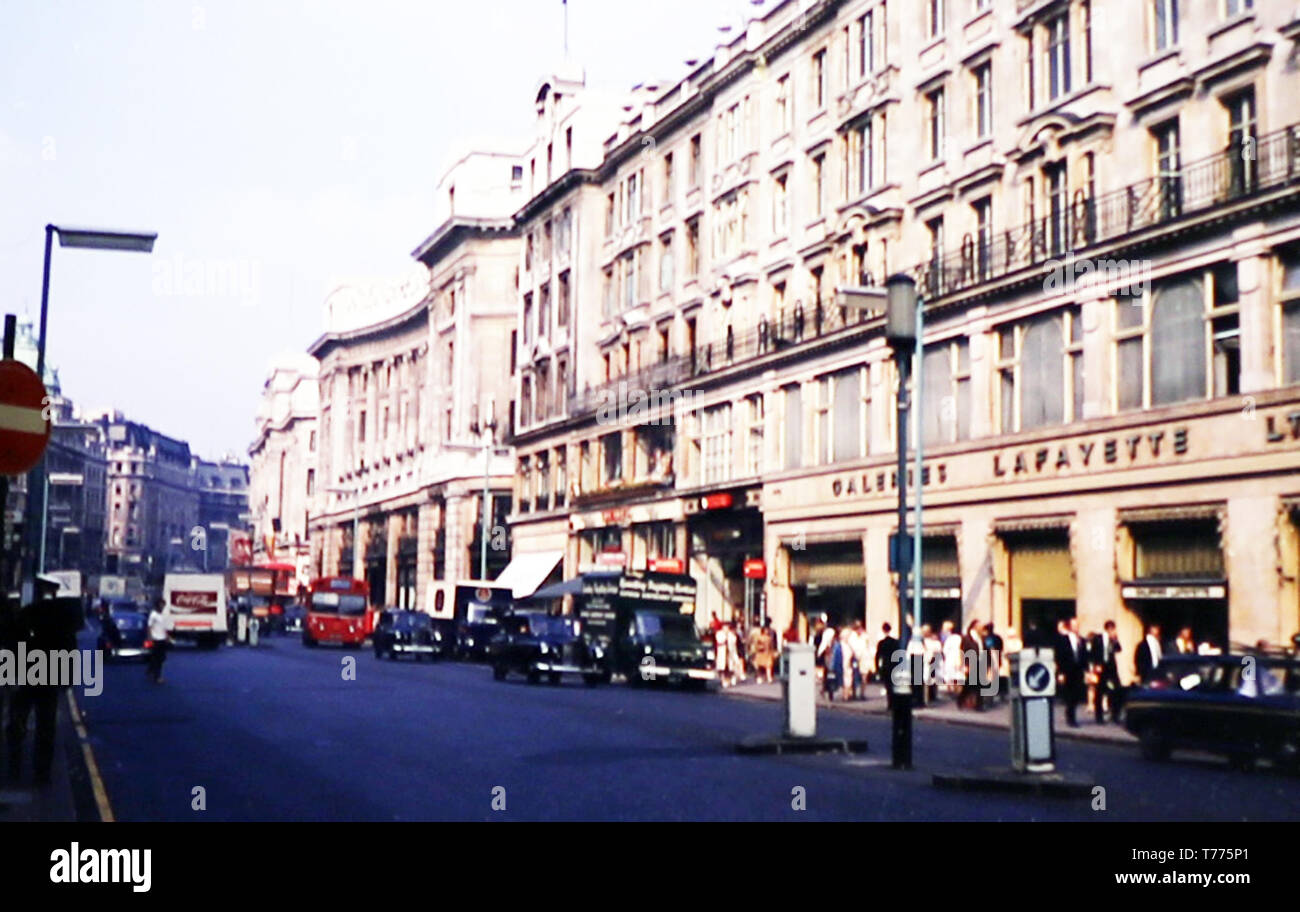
(861, 659)
(847, 669)
(47, 625)
(933, 660)
(1185, 643)
(834, 662)
(760, 651)
(737, 654)
(975, 660)
(885, 659)
(1071, 667)
(1109, 693)
(952, 660)
(1149, 653)
(993, 643)
(161, 643)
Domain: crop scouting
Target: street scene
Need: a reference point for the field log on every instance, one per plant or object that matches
(716, 411)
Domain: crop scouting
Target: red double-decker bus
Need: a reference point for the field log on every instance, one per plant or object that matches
(269, 588)
(338, 611)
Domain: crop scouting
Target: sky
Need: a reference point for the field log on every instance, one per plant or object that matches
(277, 147)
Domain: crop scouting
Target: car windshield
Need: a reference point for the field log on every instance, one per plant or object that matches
(553, 626)
(480, 614)
(333, 603)
(668, 627)
(125, 620)
(410, 620)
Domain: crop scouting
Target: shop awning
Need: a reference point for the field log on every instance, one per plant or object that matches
(1181, 513)
(528, 571)
(830, 564)
(1060, 522)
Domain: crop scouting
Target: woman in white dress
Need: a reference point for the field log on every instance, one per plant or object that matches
(953, 661)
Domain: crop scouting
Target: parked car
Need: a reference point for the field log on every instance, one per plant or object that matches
(413, 633)
(124, 632)
(537, 644)
(1243, 707)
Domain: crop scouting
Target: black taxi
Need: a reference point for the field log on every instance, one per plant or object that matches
(536, 644)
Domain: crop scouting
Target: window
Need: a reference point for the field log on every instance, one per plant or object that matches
(784, 114)
(543, 481)
(611, 448)
(632, 196)
(695, 174)
(792, 442)
(754, 460)
(561, 478)
(819, 184)
(859, 172)
(1241, 140)
(525, 483)
(1058, 56)
(544, 311)
(1289, 267)
(1238, 7)
(668, 179)
(311, 442)
(666, 263)
(528, 317)
(1165, 18)
(848, 420)
(528, 252)
(983, 99)
(935, 229)
(1179, 341)
(1058, 207)
(934, 112)
(1085, 13)
(609, 214)
(983, 236)
(819, 79)
(1169, 168)
(934, 17)
(945, 392)
(1040, 371)
(866, 45)
(562, 300)
(693, 247)
(717, 443)
(781, 204)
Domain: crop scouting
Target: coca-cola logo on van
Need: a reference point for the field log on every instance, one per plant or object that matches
(195, 601)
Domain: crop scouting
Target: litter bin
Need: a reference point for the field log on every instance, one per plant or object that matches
(799, 688)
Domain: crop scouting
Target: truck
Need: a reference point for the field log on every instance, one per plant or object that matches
(194, 607)
(478, 609)
(641, 625)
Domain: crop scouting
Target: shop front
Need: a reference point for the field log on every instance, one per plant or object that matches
(1175, 571)
(940, 578)
(827, 578)
(724, 530)
(1041, 583)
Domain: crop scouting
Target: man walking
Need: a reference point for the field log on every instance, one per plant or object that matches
(1148, 655)
(161, 643)
(1110, 693)
(885, 650)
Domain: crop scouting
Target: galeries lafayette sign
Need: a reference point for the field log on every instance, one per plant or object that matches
(1145, 447)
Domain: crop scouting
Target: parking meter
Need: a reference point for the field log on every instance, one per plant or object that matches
(799, 689)
(1033, 685)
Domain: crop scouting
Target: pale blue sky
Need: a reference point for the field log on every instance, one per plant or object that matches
(282, 142)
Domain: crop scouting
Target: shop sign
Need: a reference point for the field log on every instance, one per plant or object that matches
(667, 565)
(1095, 453)
(1173, 592)
(865, 483)
(754, 568)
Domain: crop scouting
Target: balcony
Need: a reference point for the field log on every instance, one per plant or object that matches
(1197, 188)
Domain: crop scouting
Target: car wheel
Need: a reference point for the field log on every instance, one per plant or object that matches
(1154, 745)
(498, 672)
(553, 677)
(534, 676)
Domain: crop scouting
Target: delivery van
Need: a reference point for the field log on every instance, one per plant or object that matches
(194, 607)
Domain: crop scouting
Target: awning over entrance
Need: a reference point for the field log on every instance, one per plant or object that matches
(528, 571)
(828, 564)
(1172, 514)
(1032, 524)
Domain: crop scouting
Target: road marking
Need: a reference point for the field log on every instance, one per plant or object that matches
(96, 781)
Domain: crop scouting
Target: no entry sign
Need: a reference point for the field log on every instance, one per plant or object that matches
(24, 429)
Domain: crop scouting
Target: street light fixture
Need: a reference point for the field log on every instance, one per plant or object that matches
(82, 239)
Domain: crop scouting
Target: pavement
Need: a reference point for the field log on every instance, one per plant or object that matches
(998, 715)
(69, 797)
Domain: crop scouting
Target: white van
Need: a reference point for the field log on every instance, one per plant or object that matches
(194, 607)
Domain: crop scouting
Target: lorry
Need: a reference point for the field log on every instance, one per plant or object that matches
(641, 625)
(194, 607)
(478, 609)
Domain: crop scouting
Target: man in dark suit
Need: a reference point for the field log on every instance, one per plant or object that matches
(1071, 661)
(1148, 654)
(885, 650)
(1109, 694)
(976, 659)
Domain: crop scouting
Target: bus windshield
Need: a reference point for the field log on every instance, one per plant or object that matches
(334, 603)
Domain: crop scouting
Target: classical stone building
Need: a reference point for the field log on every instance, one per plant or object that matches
(282, 485)
(1100, 202)
(410, 380)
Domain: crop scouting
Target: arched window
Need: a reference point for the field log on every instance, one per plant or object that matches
(1178, 342)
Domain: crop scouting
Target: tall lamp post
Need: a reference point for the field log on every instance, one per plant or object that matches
(85, 239)
(487, 429)
(903, 332)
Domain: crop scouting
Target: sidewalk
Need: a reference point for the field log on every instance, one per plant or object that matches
(67, 798)
(997, 716)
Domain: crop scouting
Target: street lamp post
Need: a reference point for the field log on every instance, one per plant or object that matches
(487, 430)
(77, 238)
(902, 331)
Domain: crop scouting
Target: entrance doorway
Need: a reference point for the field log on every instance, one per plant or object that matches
(1039, 617)
(1208, 618)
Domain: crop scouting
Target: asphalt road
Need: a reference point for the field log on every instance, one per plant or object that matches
(277, 733)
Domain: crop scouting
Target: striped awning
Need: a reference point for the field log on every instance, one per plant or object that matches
(1059, 523)
(1181, 513)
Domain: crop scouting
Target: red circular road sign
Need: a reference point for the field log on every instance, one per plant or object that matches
(24, 429)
